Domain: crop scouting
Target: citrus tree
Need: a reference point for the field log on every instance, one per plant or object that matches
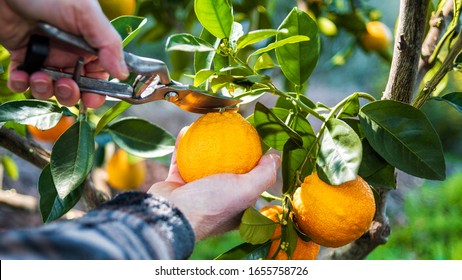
(349, 162)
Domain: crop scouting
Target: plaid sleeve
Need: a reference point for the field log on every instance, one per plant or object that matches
(131, 226)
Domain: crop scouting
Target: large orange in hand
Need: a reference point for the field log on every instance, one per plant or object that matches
(52, 134)
(218, 143)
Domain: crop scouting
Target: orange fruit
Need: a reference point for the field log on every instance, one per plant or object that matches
(334, 216)
(52, 134)
(303, 250)
(113, 8)
(125, 172)
(377, 37)
(218, 143)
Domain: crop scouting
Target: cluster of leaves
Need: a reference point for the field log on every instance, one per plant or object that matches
(63, 181)
(370, 140)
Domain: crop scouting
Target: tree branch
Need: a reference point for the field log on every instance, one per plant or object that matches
(438, 24)
(400, 87)
(407, 50)
(24, 148)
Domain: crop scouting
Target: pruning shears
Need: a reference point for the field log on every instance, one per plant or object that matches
(152, 83)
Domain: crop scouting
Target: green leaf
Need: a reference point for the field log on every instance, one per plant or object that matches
(404, 137)
(141, 138)
(454, 99)
(246, 251)
(128, 27)
(293, 159)
(281, 43)
(385, 178)
(41, 114)
(187, 43)
(202, 76)
(255, 36)
(204, 60)
(255, 228)
(72, 158)
(286, 103)
(371, 162)
(51, 206)
(340, 153)
(264, 62)
(10, 167)
(298, 60)
(111, 114)
(216, 16)
(289, 235)
(272, 130)
(351, 107)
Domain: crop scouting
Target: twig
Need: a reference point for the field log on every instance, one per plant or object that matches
(446, 66)
(438, 24)
(24, 148)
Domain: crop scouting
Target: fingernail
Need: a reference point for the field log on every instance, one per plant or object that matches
(19, 85)
(63, 91)
(124, 69)
(276, 160)
(40, 86)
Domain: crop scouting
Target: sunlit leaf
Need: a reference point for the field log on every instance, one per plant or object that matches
(256, 36)
(111, 114)
(255, 228)
(72, 158)
(340, 153)
(298, 60)
(216, 16)
(128, 27)
(204, 60)
(141, 137)
(281, 43)
(41, 114)
(404, 137)
(264, 62)
(351, 107)
(187, 43)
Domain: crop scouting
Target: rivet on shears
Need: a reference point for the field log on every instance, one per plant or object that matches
(172, 96)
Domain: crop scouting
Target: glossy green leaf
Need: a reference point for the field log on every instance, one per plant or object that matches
(204, 60)
(111, 114)
(216, 16)
(371, 162)
(281, 43)
(296, 164)
(72, 158)
(384, 178)
(298, 60)
(264, 62)
(272, 130)
(404, 137)
(187, 43)
(51, 206)
(246, 251)
(41, 114)
(351, 107)
(454, 99)
(290, 236)
(255, 228)
(291, 105)
(255, 36)
(202, 76)
(128, 27)
(141, 137)
(340, 153)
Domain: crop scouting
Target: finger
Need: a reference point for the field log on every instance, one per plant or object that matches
(93, 100)
(41, 85)
(173, 172)
(18, 81)
(67, 91)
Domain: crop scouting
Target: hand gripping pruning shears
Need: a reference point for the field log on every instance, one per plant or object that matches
(152, 83)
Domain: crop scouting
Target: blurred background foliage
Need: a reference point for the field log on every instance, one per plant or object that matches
(426, 217)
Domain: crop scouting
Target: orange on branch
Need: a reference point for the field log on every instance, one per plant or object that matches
(377, 37)
(125, 173)
(52, 134)
(334, 216)
(113, 9)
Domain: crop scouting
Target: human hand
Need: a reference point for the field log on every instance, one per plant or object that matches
(214, 204)
(83, 18)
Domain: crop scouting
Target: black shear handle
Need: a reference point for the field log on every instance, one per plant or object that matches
(36, 54)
